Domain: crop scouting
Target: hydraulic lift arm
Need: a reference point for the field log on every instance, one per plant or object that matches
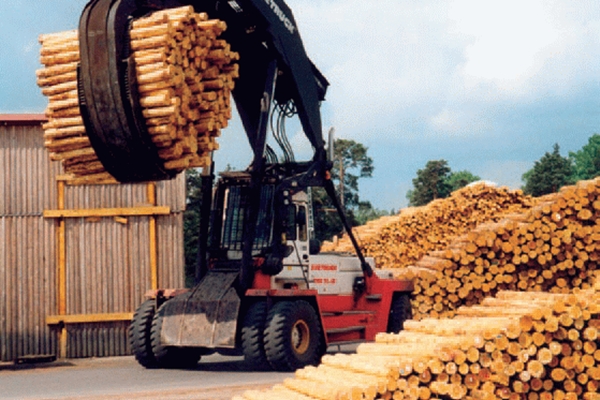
(262, 31)
(274, 67)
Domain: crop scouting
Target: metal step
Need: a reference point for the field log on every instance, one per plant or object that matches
(353, 312)
(355, 328)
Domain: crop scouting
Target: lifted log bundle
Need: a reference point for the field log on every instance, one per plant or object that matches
(185, 75)
(517, 345)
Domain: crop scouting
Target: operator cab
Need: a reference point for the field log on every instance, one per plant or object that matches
(231, 204)
(301, 266)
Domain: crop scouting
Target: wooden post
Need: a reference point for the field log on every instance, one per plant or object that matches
(62, 269)
(151, 193)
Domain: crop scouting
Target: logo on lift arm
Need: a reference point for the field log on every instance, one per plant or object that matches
(281, 15)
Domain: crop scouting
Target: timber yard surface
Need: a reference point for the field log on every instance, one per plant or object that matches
(216, 378)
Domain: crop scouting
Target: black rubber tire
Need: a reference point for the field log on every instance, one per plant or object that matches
(139, 334)
(252, 336)
(169, 356)
(400, 311)
(293, 336)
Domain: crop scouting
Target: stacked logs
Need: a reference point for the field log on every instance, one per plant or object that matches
(554, 247)
(400, 241)
(184, 75)
(518, 345)
(366, 232)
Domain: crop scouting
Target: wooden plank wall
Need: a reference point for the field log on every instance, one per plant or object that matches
(108, 259)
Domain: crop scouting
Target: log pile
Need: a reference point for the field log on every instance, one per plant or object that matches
(518, 345)
(185, 75)
(402, 240)
(554, 247)
(366, 232)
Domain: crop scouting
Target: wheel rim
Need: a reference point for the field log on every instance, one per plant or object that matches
(300, 337)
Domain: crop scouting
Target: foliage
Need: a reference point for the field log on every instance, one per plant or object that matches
(327, 220)
(548, 174)
(191, 223)
(365, 213)
(586, 162)
(431, 183)
(460, 179)
(350, 163)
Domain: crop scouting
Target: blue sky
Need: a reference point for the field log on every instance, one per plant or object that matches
(488, 86)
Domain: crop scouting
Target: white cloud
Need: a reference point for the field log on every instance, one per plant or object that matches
(511, 42)
(504, 172)
(458, 123)
(378, 56)
(412, 80)
(445, 121)
(445, 63)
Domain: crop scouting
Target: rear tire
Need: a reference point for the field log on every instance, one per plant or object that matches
(170, 356)
(292, 336)
(253, 336)
(139, 334)
(400, 311)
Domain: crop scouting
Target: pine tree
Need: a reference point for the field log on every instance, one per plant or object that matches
(586, 162)
(431, 183)
(460, 179)
(548, 174)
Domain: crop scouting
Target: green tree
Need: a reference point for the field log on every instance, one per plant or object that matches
(366, 212)
(586, 162)
(351, 162)
(460, 179)
(548, 174)
(191, 223)
(431, 183)
(327, 221)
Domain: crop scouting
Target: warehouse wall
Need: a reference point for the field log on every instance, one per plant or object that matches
(107, 259)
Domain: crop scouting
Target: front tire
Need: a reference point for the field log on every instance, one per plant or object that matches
(292, 336)
(170, 356)
(252, 338)
(139, 334)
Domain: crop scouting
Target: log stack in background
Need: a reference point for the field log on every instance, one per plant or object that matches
(518, 345)
(553, 247)
(483, 239)
(401, 240)
(185, 75)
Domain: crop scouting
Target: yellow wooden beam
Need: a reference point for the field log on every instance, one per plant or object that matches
(61, 270)
(88, 318)
(108, 212)
(151, 194)
(72, 180)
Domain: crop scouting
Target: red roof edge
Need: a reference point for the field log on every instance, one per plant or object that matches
(22, 119)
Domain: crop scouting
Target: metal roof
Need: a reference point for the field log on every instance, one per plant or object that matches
(22, 119)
